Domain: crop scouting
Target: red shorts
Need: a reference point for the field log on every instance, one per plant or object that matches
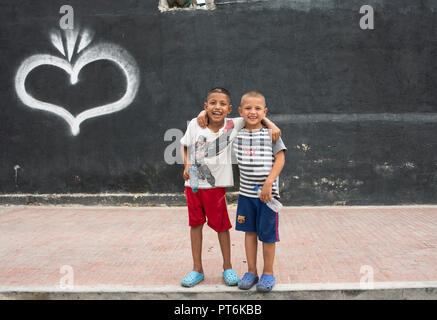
(208, 204)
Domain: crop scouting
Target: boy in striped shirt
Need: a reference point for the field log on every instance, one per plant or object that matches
(207, 150)
(260, 161)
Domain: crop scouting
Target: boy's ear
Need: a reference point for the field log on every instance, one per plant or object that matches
(239, 111)
(230, 108)
(205, 105)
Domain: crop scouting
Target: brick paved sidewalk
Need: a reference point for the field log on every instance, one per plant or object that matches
(131, 246)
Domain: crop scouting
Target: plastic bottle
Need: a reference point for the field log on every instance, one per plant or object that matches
(275, 205)
(194, 179)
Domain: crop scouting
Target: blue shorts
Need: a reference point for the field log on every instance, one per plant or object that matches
(253, 215)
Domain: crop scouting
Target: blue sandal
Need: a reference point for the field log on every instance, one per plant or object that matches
(192, 279)
(230, 277)
(248, 281)
(266, 283)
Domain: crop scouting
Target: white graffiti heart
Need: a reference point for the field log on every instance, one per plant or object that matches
(103, 51)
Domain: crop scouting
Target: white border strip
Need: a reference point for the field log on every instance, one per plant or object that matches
(223, 288)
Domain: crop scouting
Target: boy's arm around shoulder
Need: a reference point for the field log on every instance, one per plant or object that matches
(276, 132)
(202, 120)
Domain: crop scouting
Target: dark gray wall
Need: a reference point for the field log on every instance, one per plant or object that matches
(356, 108)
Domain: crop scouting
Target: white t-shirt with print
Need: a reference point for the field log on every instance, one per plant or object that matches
(210, 152)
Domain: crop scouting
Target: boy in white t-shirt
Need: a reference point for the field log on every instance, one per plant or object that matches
(208, 151)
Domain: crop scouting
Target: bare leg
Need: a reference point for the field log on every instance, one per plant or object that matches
(251, 244)
(269, 256)
(196, 247)
(224, 238)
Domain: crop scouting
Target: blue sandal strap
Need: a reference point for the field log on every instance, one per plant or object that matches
(192, 279)
(230, 277)
(248, 281)
(266, 283)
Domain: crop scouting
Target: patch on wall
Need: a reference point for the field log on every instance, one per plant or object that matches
(171, 5)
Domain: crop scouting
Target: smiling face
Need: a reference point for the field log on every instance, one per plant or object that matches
(217, 108)
(253, 109)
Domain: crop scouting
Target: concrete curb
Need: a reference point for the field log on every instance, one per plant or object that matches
(426, 290)
(93, 199)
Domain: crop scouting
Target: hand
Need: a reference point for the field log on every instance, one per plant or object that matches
(266, 192)
(276, 134)
(202, 119)
(186, 174)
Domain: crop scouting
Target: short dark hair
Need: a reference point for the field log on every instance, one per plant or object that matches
(219, 90)
(252, 94)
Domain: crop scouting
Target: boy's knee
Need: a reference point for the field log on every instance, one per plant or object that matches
(197, 227)
(223, 232)
(269, 244)
(251, 236)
